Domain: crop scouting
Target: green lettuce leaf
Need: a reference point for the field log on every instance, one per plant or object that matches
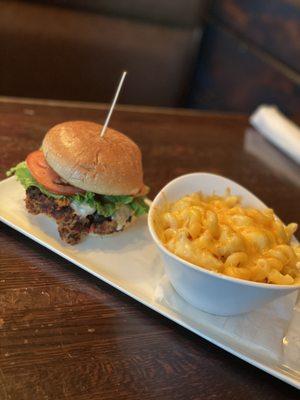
(105, 208)
(105, 205)
(108, 205)
(26, 179)
(139, 206)
(118, 199)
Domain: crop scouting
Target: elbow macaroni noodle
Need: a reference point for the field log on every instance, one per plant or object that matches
(217, 233)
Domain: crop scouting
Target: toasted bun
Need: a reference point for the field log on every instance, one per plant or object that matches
(110, 165)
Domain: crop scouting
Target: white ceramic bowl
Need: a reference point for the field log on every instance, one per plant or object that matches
(209, 291)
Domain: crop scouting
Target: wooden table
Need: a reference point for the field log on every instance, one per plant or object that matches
(67, 335)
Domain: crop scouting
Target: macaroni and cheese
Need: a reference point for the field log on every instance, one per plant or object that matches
(217, 233)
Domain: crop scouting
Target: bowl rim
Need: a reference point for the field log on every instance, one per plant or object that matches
(194, 266)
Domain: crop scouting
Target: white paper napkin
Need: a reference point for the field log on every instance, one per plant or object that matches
(278, 129)
(256, 145)
(261, 331)
(291, 342)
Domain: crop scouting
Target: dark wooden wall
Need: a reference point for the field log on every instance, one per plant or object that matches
(250, 54)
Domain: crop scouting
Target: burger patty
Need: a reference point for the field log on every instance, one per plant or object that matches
(71, 227)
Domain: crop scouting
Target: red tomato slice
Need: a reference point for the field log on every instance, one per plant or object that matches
(46, 176)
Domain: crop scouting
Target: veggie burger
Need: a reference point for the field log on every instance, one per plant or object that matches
(87, 183)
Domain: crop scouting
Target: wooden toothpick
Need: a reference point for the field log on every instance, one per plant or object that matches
(113, 104)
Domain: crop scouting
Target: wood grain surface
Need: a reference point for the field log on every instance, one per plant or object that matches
(273, 25)
(67, 335)
(233, 76)
(250, 54)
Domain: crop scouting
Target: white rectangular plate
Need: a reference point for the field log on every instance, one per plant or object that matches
(129, 261)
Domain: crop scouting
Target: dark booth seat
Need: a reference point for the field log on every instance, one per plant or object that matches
(77, 49)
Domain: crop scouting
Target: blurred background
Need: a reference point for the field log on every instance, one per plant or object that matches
(218, 55)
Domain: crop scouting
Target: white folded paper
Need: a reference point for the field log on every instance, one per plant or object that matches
(278, 129)
(256, 145)
(291, 341)
(261, 331)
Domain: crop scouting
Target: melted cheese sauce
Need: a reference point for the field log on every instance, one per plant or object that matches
(218, 234)
(82, 209)
(121, 216)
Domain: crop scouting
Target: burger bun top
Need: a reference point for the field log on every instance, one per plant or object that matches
(110, 165)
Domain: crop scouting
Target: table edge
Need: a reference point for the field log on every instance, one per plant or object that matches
(120, 107)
